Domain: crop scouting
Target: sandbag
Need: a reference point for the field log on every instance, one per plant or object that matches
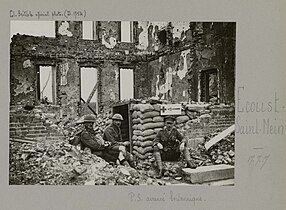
(135, 127)
(136, 143)
(142, 157)
(140, 138)
(140, 150)
(143, 107)
(148, 155)
(147, 149)
(146, 143)
(136, 121)
(134, 137)
(134, 115)
(147, 120)
(146, 108)
(135, 147)
(149, 114)
(139, 127)
(152, 125)
(157, 130)
(158, 119)
(146, 138)
(137, 132)
(143, 143)
(147, 132)
(182, 119)
(157, 107)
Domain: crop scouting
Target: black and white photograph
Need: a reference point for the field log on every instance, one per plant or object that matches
(122, 103)
(142, 105)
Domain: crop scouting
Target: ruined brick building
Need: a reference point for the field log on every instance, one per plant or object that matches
(175, 61)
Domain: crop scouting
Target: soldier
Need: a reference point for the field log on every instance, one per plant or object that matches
(112, 134)
(89, 139)
(169, 144)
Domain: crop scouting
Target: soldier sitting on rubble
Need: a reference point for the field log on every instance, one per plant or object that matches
(113, 135)
(89, 139)
(169, 144)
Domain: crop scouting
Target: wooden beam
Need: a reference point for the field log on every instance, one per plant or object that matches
(219, 137)
(91, 109)
(23, 140)
(92, 93)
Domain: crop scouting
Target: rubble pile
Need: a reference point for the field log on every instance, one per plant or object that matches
(59, 163)
(191, 115)
(222, 152)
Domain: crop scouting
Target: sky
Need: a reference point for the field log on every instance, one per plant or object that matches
(35, 28)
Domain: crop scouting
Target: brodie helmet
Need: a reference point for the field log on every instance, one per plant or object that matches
(89, 118)
(117, 117)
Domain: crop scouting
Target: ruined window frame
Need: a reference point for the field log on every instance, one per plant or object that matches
(204, 75)
(54, 83)
(98, 69)
(119, 76)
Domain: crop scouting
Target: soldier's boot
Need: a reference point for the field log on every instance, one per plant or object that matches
(190, 161)
(129, 157)
(158, 160)
(124, 163)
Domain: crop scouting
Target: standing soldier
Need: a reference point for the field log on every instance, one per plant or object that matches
(113, 135)
(169, 144)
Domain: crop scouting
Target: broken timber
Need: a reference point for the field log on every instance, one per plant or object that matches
(90, 97)
(219, 137)
(23, 140)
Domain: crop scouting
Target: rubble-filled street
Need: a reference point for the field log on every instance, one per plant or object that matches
(60, 163)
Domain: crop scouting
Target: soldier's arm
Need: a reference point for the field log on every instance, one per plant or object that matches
(181, 138)
(87, 140)
(157, 139)
(110, 136)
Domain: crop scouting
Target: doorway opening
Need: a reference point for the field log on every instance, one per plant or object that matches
(209, 85)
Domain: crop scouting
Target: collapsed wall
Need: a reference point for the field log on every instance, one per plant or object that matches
(35, 123)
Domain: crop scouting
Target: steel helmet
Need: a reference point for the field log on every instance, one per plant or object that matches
(89, 118)
(117, 117)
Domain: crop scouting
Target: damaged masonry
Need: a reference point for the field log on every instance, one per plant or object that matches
(160, 68)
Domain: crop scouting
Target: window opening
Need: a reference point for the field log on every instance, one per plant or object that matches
(209, 86)
(47, 85)
(126, 31)
(89, 90)
(87, 30)
(126, 83)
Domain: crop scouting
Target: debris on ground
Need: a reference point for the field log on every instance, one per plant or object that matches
(59, 163)
(220, 153)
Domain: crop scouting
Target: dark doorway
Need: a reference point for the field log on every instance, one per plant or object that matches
(209, 90)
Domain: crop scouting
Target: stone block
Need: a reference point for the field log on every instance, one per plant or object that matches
(209, 173)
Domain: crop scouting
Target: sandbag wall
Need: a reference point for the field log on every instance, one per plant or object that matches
(195, 122)
(147, 122)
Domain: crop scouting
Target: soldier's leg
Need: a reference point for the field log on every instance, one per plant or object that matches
(158, 160)
(130, 159)
(190, 161)
(121, 154)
